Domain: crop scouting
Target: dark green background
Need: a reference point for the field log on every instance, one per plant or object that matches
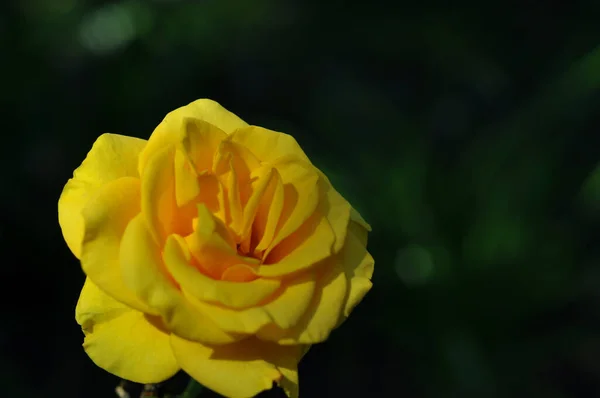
(467, 135)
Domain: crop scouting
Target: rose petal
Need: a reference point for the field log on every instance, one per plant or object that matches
(233, 198)
(144, 273)
(358, 229)
(239, 273)
(337, 293)
(158, 204)
(210, 190)
(200, 142)
(169, 131)
(123, 341)
(289, 382)
(242, 369)
(322, 315)
(186, 179)
(261, 179)
(358, 266)
(318, 238)
(212, 246)
(268, 145)
(111, 157)
(284, 310)
(301, 197)
(236, 295)
(287, 309)
(196, 146)
(306, 247)
(268, 213)
(171, 184)
(234, 165)
(357, 218)
(336, 209)
(106, 216)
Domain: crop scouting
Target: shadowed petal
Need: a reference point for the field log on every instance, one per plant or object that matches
(238, 370)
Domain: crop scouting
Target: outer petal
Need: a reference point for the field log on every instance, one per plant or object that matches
(170, 129)
(357, 218)
(111, 157)
(238, 370)
(355, 252)
(358, 266)
(289, 381)
(337, 210)
(106, 215)
(123, 341)
(145, 274)
(338, 291)
(321, 317)
(268, 145)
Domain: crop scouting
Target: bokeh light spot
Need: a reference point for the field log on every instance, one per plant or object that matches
(107, 29)
(414, 265)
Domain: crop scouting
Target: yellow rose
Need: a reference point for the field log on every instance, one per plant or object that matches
(214, 247)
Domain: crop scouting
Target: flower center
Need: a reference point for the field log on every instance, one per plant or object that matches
(247, 253)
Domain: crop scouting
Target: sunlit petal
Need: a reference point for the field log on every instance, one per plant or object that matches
(301, 197)
(230, 294)
(212, 246)
(322, 315)
(171, 129)
(302, 250)
(268, 145)
(283, 311)
(145, 274)
(358, 265)
(106, 216)
(123, 341)
(111, 157)
(268, 213)
(238, 370)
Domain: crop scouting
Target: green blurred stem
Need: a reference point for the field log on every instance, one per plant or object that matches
(192, 390)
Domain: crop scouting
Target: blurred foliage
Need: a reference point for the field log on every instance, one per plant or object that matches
(466, 135)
